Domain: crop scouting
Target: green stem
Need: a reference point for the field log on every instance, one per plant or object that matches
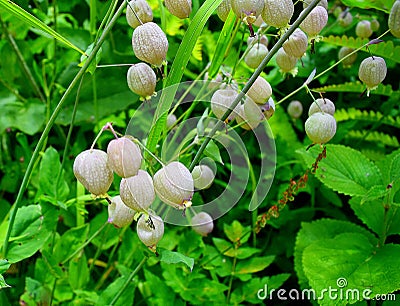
(228, 296)
(128, 280)
(85, 244)
(252, 79)
(71, 126)
(21, 59)
(50, 124)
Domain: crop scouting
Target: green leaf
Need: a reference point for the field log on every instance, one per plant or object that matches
(175, 257)
(385, 49)
(357, 87)
(365, 115)
(376, 192)
(395, 169)
(3, 283)
(70, 241)
(322, 229)
(255, 289)
(352, 260)
(27, 117)
(212, 151)
(178, 66)
(235, 231)
(50, 166)
(26, 17)
(372, 214)
(33, 225)
(344, 170)
(4, 265)
(111, 291)
(79, 275)
(383, 5)
(222, 43)
(253, 265)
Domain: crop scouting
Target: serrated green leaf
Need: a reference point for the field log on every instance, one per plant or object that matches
(17, 11)
(373, 214)
(352, 260)
(33, 225)
(235, 231)
(365, 115)
(344, 170)
(385, 49)
(170, 257)
(395, 169)
(178, 66)
(357, 87)
(322, 229)
(222, 43)
(70, 241)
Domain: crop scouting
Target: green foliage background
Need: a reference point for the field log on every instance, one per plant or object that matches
(60, 249)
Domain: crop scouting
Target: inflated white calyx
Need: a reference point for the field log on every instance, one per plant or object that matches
(124, 157)
(320, 127)
(92, 170)
(150, 44)
(119, 214)
(174, 185)
(150, 230)
(137, 192)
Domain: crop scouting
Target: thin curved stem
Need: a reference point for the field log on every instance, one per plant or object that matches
(252, 79)
(128, 280)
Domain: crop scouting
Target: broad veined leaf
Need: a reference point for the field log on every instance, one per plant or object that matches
(175, 257)
(33, 225)
(350, 262)
(372, 213)
(344, 169)
(322, 229)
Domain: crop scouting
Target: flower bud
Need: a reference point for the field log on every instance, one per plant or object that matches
(137, 191)
(320, 127)
(255, 55)
(124, 157)
(394, 19)
(295, 109)
(286, 62)
(315, 21)
(322, 105)
(92, 170)
(203, 177)
(223, 9)
(363, 29)
(142, 10)
(277, 13)
(372, 71)
(142, 80)
(297, 44)
(222, 100)
(119, 214)
(179, 8)
(260, 91)
(150, 230)
(174, 185)
(250, 113)
(347, 62)
(202, 223)
(150, 44)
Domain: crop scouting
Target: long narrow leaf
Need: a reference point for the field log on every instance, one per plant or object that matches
(178, 66)
(19, 12)
(223, 41)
